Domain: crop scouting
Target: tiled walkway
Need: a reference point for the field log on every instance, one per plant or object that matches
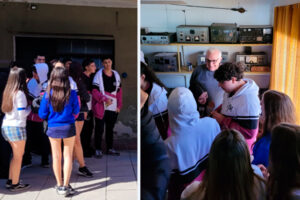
(115, 178)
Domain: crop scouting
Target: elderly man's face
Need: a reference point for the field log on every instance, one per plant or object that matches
(213, 60)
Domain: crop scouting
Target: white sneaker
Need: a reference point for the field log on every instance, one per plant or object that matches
(62, 190)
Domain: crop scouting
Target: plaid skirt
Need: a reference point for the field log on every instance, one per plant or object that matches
(14, 133)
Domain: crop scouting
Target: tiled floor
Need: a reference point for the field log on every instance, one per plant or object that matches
(115, 178)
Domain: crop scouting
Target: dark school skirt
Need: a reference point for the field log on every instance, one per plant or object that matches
(61, 131)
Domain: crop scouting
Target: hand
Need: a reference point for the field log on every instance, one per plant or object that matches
(85, 115)
(264, 171)
(144, 97)
(210, 107)
(219, 117)
(118, 110)
(202, 98)
(108, 102)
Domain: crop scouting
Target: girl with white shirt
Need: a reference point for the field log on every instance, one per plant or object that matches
(157, 101)
(16, 109)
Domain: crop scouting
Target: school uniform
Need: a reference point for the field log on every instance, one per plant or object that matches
(88, 126)
(242, 110)
(189, 145)
(106, 87)
(60, 124)
(158, 106)
(261, 150)
(155, 164)
(14, 122)
(37, 140)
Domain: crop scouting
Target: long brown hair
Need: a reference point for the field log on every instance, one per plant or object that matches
(150, 76)
(277, 107)
(284, 167)
(229, 175)
(59, 88)
(16, 81)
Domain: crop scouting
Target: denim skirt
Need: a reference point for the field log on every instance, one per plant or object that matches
(61, 131)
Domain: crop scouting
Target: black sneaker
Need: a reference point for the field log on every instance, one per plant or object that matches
(71, 190)
(84, 171)
(8, 183)
(19, 187)
(112, 152)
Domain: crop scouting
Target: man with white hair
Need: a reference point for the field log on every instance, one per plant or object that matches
(203, 76)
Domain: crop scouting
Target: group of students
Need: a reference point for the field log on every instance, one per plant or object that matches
(57, 105)
(221, 154)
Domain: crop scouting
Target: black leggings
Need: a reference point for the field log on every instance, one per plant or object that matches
(87, 132)
(109, 119)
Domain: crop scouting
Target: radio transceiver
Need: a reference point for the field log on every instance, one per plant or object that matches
(250, 60)
(260, 69)
(164, 61)
(256, 34)
(158, 38)
(201, 57)
(192, 34)
(223, 33)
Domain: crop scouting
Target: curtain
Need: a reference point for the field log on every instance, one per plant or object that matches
(285, 67)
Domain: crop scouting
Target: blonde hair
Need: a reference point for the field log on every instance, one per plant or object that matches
(16, 81)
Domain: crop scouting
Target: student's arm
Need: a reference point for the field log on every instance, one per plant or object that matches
(44, 107)
(248, 128)
(22, 105)
(35, 105)
(98, 96)
(119, 99)
(75, 102)
(83, 93)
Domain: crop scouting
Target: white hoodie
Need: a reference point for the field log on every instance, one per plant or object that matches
(158, 99)
(191, 138)
(35, 88)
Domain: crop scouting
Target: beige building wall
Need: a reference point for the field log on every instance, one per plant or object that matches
(121, 23)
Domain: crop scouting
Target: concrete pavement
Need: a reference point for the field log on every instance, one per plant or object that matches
(115, 178)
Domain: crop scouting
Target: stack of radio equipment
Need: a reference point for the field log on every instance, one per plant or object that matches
(217, 33)
(164, 61)
(254, 62)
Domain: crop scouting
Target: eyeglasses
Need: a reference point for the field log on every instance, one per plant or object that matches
(211, 61)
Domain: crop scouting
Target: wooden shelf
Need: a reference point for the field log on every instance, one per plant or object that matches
(180, 53)
(209, 44)
(257, 73)
(189, 72)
